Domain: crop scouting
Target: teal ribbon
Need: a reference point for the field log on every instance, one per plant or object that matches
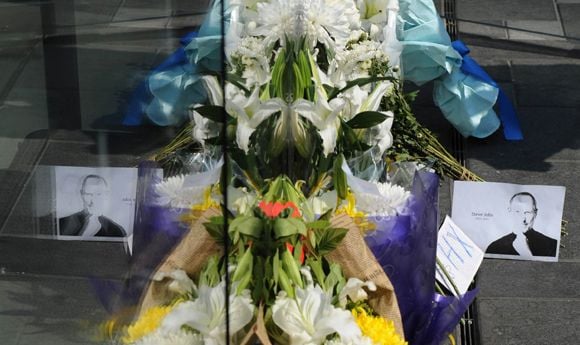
(507, 113)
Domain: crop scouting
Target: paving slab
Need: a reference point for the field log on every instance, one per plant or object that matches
(47, 310)
(535, 30)
(549, 135)
(20, 23)
(516, 277)
(504, 10)
(570, 12)
(528, 321)
(547, 83)
(491, 28)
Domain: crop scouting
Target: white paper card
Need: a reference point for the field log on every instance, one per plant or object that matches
(459, 256)
(510, 221)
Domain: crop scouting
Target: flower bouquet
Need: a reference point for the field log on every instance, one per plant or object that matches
(277, 222)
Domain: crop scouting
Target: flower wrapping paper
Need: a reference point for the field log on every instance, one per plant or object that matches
(405, 245)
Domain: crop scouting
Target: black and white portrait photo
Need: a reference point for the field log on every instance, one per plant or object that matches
(95, 203)
(510, 221)
(524, 240)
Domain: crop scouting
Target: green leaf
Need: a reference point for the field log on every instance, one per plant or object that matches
(247, 225)
(276, 267)
(215, 113)
(340, 183)
(215, 228)
(238, 82)
(317, 270)
(333, 278)
(318, 224)
(360, 82)
(366, 119)
(284, 227)
(329, 239)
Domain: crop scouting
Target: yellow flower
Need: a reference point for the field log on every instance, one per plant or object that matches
(381, 331)
(208, 202)
(359, 217)
(147, 323)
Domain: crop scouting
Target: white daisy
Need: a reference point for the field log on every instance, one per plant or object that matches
(178, 337)
(173, 193)
(390, 200)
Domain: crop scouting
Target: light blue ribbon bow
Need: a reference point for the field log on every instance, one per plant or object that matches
(507, 113)
(465, 94)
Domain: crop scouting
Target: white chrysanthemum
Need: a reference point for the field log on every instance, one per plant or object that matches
(207, 314)
(356, 61)
(325, 21)
(310, 317)
(178, 337)
(173, 193)
(391, 200)
(250, 54)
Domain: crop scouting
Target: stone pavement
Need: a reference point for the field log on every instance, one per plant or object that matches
(532, 48)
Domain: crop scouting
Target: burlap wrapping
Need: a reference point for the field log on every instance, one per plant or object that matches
(357, 261)
(352, 254)
(189, 255)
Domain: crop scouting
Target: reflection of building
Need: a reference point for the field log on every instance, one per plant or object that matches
(90, 221)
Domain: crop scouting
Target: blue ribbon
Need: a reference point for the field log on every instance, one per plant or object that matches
(507, 113)
(142, 96)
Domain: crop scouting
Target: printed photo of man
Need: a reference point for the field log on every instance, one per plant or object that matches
(91, 221)
(524, 240)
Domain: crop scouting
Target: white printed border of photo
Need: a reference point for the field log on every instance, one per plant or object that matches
(490, 197)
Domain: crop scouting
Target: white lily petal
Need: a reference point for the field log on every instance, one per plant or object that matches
(373, 102)
(329, 136)
(309, 111)
(264, 111)
(207, 314)
(214, 90)
(310, 317)
(243, 134)
(354, 290)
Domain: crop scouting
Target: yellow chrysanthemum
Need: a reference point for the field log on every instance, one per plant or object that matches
(381, 331)
(359, 217)
(198, 209)
(147, 323)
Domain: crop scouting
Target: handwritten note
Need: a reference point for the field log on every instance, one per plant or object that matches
(458, 255)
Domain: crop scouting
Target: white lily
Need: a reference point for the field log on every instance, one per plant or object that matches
(207, 314)
(324, 116)
(310, 317)
(180, 281)
(250, 112)
(241, 200)
(373, 11)
(354, 290)
(204, 128)
(379, 135)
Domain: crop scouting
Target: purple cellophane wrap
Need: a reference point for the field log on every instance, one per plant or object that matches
(156, 232)
(405, 246)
